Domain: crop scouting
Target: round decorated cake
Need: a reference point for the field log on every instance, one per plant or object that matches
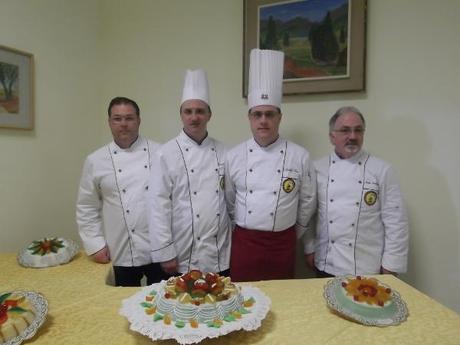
(16, 314)
(196, 298)
(47, 252)
(365, 300)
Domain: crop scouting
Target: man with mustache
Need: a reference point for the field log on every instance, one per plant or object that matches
(270, 182)
(111, 213)
(188, 220)
(362, 225)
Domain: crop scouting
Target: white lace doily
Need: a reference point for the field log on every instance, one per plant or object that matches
(157, 330)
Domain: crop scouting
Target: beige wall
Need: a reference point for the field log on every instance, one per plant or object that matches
(88, 51)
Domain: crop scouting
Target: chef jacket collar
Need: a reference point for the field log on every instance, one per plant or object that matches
(269, 147)
(360, 155)
(189, 141)
(114, 146)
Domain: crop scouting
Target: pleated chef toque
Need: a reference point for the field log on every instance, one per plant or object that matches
(195, 86)
(265, 78)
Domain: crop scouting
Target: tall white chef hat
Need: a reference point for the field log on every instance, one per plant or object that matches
(195, 86)
(265, 78)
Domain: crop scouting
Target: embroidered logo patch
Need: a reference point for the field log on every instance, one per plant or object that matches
(222, 182)
(370, 198)
(288, 185)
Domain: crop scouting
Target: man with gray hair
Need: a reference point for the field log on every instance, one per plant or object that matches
(362, 225)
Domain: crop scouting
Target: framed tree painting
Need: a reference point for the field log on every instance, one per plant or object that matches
(323, 42)
(16, 89)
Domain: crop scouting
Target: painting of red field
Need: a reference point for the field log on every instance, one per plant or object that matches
(313, 34)
(9, 101)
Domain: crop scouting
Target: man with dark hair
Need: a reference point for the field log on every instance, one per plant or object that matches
(111, 215)
(362, 225)
(188, 220)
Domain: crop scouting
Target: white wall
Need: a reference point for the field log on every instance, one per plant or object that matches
(40, 169)
(141, 48)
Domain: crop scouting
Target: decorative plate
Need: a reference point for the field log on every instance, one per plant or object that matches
(40, 304)
(391, 314)
(46, 252)
(144, 324)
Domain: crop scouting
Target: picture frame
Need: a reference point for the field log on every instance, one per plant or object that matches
(16, 89)
(307, 69)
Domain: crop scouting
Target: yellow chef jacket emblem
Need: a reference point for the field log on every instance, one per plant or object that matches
(288, 185)
(370, 197)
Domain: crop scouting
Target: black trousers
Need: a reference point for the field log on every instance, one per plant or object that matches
(131, 276)
(322, 274)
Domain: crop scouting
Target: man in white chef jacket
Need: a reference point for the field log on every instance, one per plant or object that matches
(188, 220)
(270, 182)
(111, 213)
(362, 225)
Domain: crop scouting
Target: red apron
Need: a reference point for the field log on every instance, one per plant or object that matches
(262, 255)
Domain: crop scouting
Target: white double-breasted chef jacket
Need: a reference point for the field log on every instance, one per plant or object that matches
(270, 188)
(188, 217)
(111, 202)
(362, 221)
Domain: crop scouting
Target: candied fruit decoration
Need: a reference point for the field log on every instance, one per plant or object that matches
(380, 303)
(180, 324)
(167, 320)
(195, 274)
(356, 298)
(157, 317)
(358, 277)
(167, 295)
(150, 311)
(388, 290)
(193, 323)
(146, 305)
(344, 284)
(229, 318)
(148, 298)
(236, 314)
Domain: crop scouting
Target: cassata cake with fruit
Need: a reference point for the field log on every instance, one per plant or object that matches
(196, 298)
(16, 314)
(48, 251)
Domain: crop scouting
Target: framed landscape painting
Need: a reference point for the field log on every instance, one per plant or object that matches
(323, 42)
(16, 89)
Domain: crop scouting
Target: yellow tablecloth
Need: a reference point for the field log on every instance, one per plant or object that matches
(83, 310)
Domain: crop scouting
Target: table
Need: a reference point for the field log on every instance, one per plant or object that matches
(84, 310)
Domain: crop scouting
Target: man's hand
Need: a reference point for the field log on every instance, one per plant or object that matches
(170, 266)
(102, 256)
(310, 261)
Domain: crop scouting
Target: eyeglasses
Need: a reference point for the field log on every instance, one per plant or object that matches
(258, 114)
(348, 130)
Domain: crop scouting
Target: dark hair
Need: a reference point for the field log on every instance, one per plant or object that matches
(123, 100)
(341, 111)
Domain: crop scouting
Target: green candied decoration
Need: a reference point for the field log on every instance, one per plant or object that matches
(251, 300)
(153, 293)
(17, 310)
(180, 324)
(4, 297)
(229, 318)
(146, 305)
(157, 317)
(210, 324)
(243, 310)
